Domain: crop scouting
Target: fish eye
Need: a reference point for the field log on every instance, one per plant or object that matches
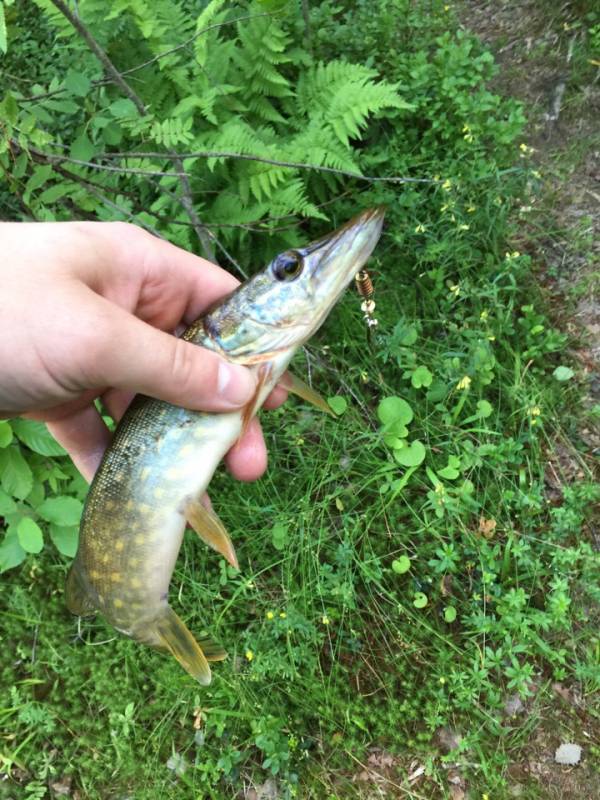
(287, 266)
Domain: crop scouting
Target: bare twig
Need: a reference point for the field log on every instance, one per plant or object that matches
(110, 68)
(275, 162)
(118, 80)
(189, 41)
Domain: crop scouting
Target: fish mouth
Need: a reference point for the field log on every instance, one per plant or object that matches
(334, 260)
(337, 257)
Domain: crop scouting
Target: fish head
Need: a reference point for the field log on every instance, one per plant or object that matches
(283, 305)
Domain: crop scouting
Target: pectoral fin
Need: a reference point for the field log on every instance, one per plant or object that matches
(174, 636)
(297, 386)
(252, 407)
(77, 597)
(211, 530)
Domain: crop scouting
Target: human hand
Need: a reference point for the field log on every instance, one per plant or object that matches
(86, 307)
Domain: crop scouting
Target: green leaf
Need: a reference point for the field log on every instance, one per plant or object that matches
(15, 474)
(420, 600)
(38, 178)
(279, 535)
(54, 193)
(6, 434)
(30, 535)
(412, 455)
(484, 409)
(11, 552)
(9, 109)
(61, 510)
(401, 565)
(123, 108)
(37, 437)
(452, 470)
(3, 37)
(81, 148)
(65, 538)
(112, 133)
(394, 409)
(437, 391)
(563, 373)
(77, 83)
(337, 404)
(7, 504)
(449, 614)
(421, 377)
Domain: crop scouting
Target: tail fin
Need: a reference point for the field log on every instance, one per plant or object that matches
(176, 638)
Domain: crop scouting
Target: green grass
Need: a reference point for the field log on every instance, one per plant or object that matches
(388, 593)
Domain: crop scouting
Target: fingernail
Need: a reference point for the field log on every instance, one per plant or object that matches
(235, 384)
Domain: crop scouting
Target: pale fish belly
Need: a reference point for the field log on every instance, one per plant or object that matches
(134, 519)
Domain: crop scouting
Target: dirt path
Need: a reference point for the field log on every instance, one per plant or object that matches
(542, 49)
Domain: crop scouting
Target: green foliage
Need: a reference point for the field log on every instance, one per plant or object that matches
(404, 566)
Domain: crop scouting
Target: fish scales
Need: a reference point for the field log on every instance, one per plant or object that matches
(162, 457)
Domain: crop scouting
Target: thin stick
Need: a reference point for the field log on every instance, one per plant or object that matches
(100, 55)
(248, 157)
(118, 80)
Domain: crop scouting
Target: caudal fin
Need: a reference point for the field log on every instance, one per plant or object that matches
(193, 657)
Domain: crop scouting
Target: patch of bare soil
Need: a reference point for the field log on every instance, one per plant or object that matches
(537, 45)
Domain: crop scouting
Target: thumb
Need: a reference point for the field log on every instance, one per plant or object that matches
(127, 353)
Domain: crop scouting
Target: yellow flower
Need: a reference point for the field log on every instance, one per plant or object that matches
(420, 228)
(534, 411)
(325, 619)
(446, 8)
(455, 289)
(536, 174)
(282, 615)
(249, 655)
(463, 227)
(471, 209)
(464, 383)
(442, 681)
(512, 256)
(484, 315)
(447, 185)
(445, 207)
(270, 615)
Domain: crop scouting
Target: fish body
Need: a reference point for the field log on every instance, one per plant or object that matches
(152, 477)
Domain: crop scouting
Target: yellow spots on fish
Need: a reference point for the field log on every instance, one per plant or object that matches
(109, 505)
(129, 505)
(145, 473)
(105, 558)
(116, 577)
(139, 539)
(135, 583)
(199, 433)
(118, 603)
(94, 574)
(144, 508)
(119, 545)
(173, 474)
(118, 477)
(133, 562)
(186, 450)
(158, 493)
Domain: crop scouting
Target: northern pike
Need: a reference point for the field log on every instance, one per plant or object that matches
(154, 473)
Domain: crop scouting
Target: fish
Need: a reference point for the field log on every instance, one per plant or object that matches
(150, 483)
